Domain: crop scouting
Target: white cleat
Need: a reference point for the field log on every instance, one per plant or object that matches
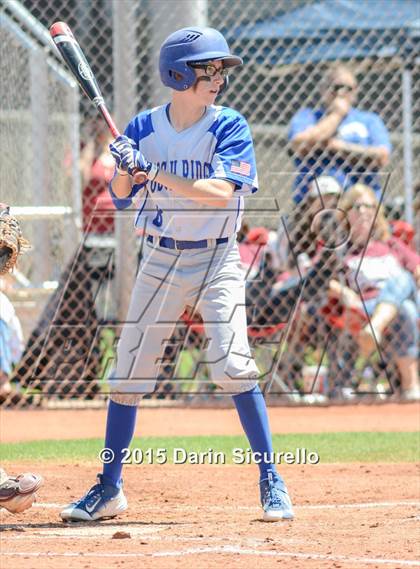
(102, 501)
(275, 500)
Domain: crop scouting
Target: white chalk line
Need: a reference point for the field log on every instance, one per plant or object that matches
(223, 550)
(215, 508)
(68, 533)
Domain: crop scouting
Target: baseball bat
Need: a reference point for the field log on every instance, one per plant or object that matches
(75, 59)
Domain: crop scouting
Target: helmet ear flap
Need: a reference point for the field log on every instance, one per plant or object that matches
(178, 76)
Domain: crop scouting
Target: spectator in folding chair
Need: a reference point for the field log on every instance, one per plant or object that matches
(387, 273)
(312, 225)
(306, 242)
(274, 292)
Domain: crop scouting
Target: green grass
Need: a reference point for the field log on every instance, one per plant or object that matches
(331, 447)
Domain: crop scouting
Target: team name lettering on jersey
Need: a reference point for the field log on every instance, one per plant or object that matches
(192, 169)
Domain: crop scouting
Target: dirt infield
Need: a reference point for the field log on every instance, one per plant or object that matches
(67, 424)
(206, 516)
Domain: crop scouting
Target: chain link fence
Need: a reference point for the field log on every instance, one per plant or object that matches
(308, 331)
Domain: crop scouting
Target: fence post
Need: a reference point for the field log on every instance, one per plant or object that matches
(73, 97)
(40, 181)
(124, 109)
(407, 142)
(186, 13)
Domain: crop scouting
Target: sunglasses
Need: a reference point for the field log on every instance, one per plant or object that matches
(359, 206)
(211, 70)
(340, 87)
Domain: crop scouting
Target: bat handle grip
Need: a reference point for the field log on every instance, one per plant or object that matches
(109, 120)
(112, 127)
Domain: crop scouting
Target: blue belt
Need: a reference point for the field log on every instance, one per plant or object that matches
(170, 243)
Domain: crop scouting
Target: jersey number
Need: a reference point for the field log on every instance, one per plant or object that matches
(158, 220)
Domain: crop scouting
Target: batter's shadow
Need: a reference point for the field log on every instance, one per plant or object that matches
(272, 524)
(22, 527)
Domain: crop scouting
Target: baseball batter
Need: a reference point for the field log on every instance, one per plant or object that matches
(190, 163)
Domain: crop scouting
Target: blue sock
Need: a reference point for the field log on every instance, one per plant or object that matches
(120, 425)
(253, 415)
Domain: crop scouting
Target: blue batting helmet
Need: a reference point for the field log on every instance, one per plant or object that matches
(191, 45)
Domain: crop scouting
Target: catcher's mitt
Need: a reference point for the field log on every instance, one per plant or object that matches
(12, 243)
(17, 494)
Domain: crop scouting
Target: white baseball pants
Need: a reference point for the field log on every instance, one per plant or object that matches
(212, 281)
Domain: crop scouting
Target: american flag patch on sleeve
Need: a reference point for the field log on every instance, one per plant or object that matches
(239, 167)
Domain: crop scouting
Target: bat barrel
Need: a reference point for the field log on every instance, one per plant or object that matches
(75, 59)
(61, 29)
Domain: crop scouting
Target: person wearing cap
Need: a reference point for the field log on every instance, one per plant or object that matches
(312, 220)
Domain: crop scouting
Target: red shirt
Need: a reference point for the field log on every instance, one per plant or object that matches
(97, 190)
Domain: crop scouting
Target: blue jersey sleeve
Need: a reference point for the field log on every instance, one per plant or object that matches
(137, 129)
(302, 120)
(378, 132)
(234, 157)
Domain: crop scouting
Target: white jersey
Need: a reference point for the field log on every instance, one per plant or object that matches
(219, 145)
(9, 317)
